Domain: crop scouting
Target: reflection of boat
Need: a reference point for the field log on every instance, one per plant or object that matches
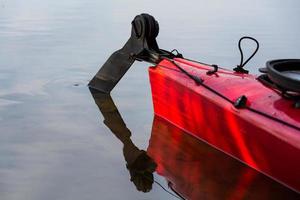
(254, 119)
(195, 170)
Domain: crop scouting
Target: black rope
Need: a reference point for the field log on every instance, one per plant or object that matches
(232, 102)
(240, 68)
(160, 185)
(197, 79)
(176, 54)
(178, 197)
(170, 184)
(214, 70)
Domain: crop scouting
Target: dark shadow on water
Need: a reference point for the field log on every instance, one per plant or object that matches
(192, 168)
(139, 164)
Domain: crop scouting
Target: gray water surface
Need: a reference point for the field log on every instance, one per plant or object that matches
(53, 144)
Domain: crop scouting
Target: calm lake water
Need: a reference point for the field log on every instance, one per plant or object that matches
(53, 142)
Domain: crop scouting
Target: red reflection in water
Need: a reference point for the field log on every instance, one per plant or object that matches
(198, 171)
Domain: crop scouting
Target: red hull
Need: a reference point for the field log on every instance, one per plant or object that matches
(267, 140)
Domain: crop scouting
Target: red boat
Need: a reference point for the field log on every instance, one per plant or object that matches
(264, 133)
(254, 119)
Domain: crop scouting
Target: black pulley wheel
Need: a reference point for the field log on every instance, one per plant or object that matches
(285, 73)
(145, 25)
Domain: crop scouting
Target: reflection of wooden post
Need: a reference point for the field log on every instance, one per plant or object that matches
(139, 164)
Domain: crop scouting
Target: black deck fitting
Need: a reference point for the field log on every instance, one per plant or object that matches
(141, 46)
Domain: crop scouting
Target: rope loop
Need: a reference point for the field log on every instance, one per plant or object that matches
(240, 68)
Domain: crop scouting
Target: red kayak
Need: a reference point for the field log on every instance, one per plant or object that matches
(264, 133)
(255, 119)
